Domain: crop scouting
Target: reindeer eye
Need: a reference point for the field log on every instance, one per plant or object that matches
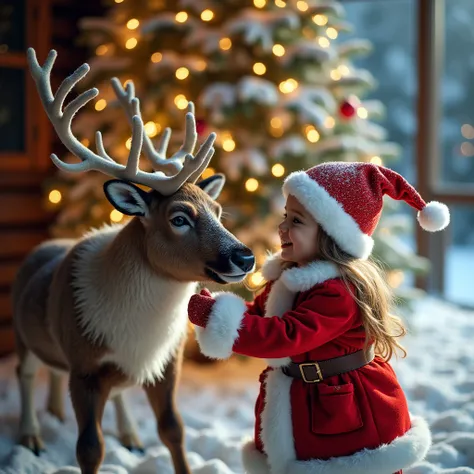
(179, 221)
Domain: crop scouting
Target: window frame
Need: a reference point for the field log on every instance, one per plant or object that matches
(37, 131)
(431, 37)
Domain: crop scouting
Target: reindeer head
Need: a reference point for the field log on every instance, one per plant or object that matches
(178, 219)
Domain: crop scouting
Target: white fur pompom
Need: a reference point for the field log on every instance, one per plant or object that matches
(434, 217)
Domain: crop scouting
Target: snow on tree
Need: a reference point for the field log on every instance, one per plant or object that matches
(273, 79)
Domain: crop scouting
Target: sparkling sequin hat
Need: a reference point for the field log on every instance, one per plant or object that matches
(346, 199)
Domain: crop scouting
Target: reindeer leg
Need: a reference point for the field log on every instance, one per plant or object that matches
(161, 395)
(29, 427)
(89, 394)
(55, 404)
(126, 426)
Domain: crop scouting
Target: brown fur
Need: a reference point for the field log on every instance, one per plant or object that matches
(48, 320)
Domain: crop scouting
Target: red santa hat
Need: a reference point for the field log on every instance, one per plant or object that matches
(346, 199)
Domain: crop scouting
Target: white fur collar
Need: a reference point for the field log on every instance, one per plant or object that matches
(299, 278)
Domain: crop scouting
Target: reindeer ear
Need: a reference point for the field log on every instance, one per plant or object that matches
(127, 198)
(212, 185)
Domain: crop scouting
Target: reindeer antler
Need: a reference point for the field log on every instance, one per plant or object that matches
(131, 105)
(192, 166)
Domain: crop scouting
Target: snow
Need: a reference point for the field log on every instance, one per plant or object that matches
(259, 90)
(219, 94)
(307, 51)
(216, 403)
(259, 26)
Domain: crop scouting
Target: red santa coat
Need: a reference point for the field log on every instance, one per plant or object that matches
(356, 422)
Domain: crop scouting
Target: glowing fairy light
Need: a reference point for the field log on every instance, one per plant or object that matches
(181, 17)
(131, 43)
(207, 15)
(182, 73)
(335, 75)
(151, 129)
(251, 185)
(320, 20)
(344, 70)
(362, 112)
(467, 131)
(133, 24)
(288, 86)
(259, 69)
(100, 104)
(276, 122)
(156, 57)
(323, 42)
(278, 50)
(101, 50)
(181, 102)
(228, 144)
(200, 65)
(225, 44)
(332, 33)
(278, 170)
(55, 196)
(116, 216)
(302, 6)
(329, 122)
(376, 160)
(207, 173)
(313, 136)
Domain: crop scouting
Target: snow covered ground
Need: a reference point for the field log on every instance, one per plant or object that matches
(217, 406)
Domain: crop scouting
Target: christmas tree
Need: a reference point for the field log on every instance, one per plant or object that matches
(272, 78)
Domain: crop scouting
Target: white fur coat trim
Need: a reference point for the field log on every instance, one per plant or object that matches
(277, 437)
(217, 338)
(253, 460)
(288, 283)
(299, 278)
(328, 212)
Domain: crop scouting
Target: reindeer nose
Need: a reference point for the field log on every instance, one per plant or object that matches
(243, 258)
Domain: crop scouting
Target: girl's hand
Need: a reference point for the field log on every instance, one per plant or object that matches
(199, 307)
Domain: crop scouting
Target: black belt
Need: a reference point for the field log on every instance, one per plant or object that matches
(314, 372)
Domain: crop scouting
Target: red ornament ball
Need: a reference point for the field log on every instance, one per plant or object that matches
(201, 126)
(348, 108)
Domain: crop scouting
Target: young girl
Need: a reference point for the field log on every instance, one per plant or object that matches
(329, 401)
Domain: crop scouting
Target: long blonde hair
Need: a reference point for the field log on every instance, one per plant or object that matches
(373, 295)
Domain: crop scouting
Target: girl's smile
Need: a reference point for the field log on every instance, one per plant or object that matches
(298, 233)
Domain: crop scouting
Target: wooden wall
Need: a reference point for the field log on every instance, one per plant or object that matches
(24, 221)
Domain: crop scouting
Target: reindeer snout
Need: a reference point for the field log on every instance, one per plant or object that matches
(243, 258)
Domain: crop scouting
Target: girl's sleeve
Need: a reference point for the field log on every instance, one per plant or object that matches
(257, 306)
(328, 312)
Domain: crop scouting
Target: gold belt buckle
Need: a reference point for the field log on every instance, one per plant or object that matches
(318, 372)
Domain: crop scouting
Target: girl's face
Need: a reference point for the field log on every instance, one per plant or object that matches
(298, 233)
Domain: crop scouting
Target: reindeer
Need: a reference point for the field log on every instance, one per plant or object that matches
(111, 307)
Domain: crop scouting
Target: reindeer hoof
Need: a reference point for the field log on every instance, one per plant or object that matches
(33, 443)
(57, 412)
(131, 442)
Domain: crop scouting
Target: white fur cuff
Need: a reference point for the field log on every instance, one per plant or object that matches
(222, 330)
(253, 460)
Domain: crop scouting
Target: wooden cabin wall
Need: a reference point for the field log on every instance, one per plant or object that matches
(24, 221)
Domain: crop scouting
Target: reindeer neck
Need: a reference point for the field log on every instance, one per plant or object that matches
(122, 300)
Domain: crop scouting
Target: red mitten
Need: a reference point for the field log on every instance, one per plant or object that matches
(200, 307)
